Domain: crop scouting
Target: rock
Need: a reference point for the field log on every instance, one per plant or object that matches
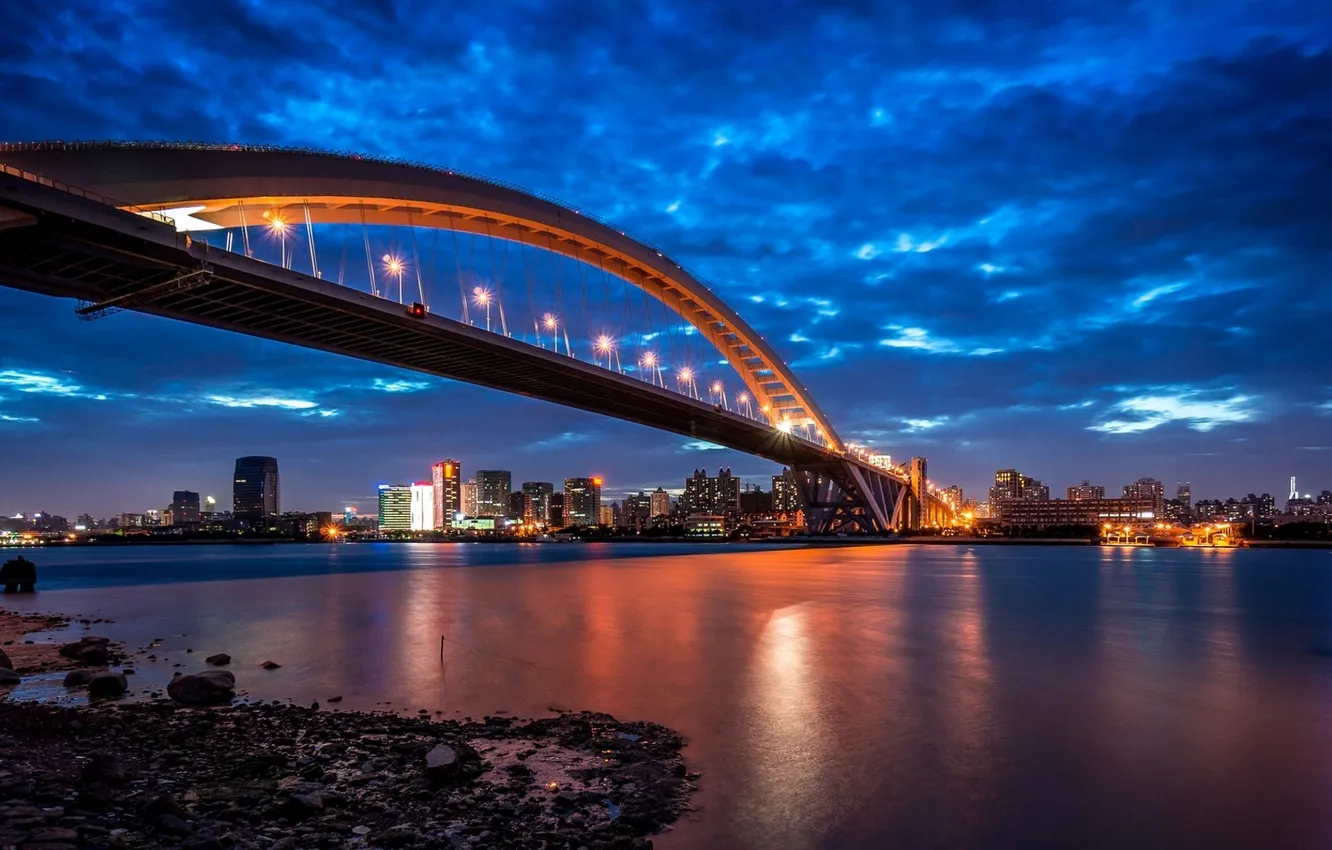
(270, 665)
(219, 660)
(105, 767)
(77, 678)
(75, 650)
(95, 655)
(214, 687)
(335, 699)
(4, 660)
(314, 706)
(19, 575)
(51, 834)
(107, 685)
(441, 762)
(8, 677)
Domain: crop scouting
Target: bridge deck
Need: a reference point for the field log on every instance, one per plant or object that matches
(76, 247)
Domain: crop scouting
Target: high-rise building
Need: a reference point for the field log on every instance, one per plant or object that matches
(469, 498)
(1010, 484)
(1149, 489)
(953, 495)
(395, 507)
(539, 492)
(606, 515)
(423, 505)
(520, 506)
(1294, 493)
(704, 495)
(493, 487)
(446, 477)
(582, 501)
(254, 489)
(1086, 490)
(785, 494)
(1184, 494)
(755, 500)
(349, 516)
(184, 507)
(558, 519)
(660, 504)
(637, 509)
(85, 520)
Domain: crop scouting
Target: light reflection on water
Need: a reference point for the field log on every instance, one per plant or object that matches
(861, 698)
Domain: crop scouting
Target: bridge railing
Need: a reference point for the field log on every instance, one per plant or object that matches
(83, 193)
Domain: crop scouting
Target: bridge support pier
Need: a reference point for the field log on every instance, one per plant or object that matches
(842, 497)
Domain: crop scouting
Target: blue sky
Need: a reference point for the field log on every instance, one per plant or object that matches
(1089, 240)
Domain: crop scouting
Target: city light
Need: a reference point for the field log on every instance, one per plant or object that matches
(393, 265)
(686, 375)
(784, 426)
(603, 344)
(481, 296)
(649, 359)
(743, 398)
(277, 224)
(549, 321)
(716, 386)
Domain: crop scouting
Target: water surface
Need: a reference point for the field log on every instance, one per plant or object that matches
(909, 697)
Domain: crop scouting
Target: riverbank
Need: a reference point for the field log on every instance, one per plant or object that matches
(152, 773)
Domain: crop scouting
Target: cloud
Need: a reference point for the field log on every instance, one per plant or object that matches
(1200, 410)
(261, 401)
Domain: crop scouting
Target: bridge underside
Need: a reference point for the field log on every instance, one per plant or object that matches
(840, 497)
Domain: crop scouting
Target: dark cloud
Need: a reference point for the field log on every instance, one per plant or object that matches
(1082, 238)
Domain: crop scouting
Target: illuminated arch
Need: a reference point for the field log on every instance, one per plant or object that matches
(228, 182)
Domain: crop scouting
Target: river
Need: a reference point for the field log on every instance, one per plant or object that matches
(866, 697)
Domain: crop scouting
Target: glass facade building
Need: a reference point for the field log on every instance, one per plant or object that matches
(254, 490)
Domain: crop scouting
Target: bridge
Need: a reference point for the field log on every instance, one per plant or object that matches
(211, 234)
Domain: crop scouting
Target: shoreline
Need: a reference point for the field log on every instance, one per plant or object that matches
(145, 771)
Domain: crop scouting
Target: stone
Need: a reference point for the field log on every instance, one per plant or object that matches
(107, 685)
(219, 660)
(77, 678)
(4, 660)
(8, 677)
(105, 767)
(95, 655)
(214, 687)
(75, 650)
(270, 665)
(51, 834)
(19, 575)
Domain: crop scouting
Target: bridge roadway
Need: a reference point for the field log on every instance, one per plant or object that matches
(56, 243)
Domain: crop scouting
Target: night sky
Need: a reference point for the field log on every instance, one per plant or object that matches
(1089, 240)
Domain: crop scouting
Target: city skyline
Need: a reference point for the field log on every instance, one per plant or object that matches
(964, 255)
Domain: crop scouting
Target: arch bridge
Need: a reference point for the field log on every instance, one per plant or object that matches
(151, 249)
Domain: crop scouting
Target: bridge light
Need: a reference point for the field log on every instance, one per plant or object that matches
(716, 386)
(743, 398)
(481, 296)
(393, 264)
(649, 359)
(277, 224)
(603, 343)
(784, 426)
(549, 321)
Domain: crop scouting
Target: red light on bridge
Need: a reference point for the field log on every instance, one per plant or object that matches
(417, 310)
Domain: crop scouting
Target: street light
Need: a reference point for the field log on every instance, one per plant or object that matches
(481, 298)
(394, 266)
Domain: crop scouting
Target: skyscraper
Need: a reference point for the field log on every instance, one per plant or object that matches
(660, 502)
(492, 492)
(184, 507)
(423, 505)
(1184, 494)
(468, 498)
(582, 501)
(539, 492)
(395, 507)
(785, 495)
(704, 495)
(254, 490)
(1086, 490)
(446, 476)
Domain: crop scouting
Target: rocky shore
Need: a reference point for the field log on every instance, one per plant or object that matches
(159, 774)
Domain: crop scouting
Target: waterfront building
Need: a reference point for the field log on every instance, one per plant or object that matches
(1184, 494)
(85, 520)
(705, 526)
(706, 495)
(539, 492)
(1086, 490)
(582, 501)
(395, 507)
(468, 498)
(254, 488)
(349, 516)
(520, 506)
(785, 494)
(660, 504)
(493, 487)
(1011, 485)
(446, 477)
(133, 521)
(606, 515)
(423, 505)
(637, 509)
(1150, 489)
(1041, 513)
(953, 495)
(184, 507)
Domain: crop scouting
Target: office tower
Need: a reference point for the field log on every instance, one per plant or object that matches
(539, 493)
(660, 504)
(1147, 489)
(349, 516)
(1294, 493)
(184, 507)
(85, 520)
(468, 498)
(637, 509)
(582, 501)
(520, 506)
(785, 494)
(1086, 490)
(953, 495)
(606, 515)
(493, 487)
(423, 505)
(1009, 484)
(254, 490)
(557, 517)
(755, 500)
(395, 507)
(1184, 494)
(446, 476)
